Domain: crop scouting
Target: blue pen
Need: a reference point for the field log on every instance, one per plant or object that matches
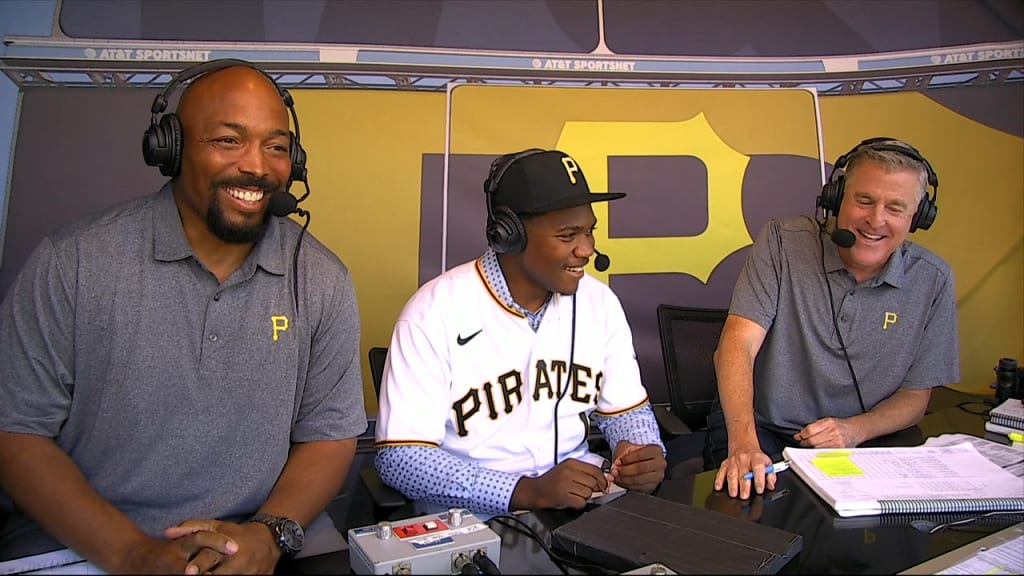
(776, 468)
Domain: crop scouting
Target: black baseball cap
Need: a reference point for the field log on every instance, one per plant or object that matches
(545, 181)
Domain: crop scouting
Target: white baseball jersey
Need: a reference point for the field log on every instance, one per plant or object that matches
(467, 373)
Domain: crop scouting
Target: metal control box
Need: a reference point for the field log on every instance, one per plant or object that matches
(431, 544)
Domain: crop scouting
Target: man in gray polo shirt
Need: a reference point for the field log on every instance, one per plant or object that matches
(835, 339)
(180, 382)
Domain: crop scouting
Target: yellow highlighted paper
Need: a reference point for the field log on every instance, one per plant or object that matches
(837, 463)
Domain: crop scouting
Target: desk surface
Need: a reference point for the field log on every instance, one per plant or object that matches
(831, 545)
(874, 544)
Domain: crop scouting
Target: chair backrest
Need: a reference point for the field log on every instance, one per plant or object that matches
(378, 355)
(689, 337)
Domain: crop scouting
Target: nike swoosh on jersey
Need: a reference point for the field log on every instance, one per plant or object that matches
(463, 341)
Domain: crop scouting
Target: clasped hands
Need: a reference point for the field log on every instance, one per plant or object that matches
(572, 482)
(208, 546)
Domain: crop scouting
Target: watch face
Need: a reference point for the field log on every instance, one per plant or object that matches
(291, 534)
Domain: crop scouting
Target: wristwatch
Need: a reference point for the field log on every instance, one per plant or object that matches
(287, 533)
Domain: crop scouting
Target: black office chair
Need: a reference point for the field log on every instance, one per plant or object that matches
(384, 496)
(378, 357)
(689, 337)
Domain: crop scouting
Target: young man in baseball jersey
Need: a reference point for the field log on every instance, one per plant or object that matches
(495, 366)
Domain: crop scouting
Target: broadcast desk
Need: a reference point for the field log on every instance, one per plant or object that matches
(831, 545)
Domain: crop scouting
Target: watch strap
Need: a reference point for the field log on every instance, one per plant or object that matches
(278, 526)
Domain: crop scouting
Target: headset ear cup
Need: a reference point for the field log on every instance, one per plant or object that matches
(832, 194)
(177, 143)
(505, 232)
(153, 149)
(171, 127)
(161, 145)
(298, 155)
(925, 215)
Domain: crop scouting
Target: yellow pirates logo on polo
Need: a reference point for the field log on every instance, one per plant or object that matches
(890, 318)
(279, 324)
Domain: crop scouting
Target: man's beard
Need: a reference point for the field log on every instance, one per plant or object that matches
(244, 233)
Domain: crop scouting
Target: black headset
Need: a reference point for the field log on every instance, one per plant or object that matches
(505, 231)
(832, 193)
(162, 142)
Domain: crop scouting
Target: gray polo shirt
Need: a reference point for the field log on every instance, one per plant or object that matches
(899, 328)
(177, 396)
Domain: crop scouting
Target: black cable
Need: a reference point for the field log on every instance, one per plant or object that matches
(835, 322)
(569, 377)
(973, 519)
(560, 561)
(305, 179)
(524, 528)
(987, 404)
(295, 258)
(517, 526)
(484, 562)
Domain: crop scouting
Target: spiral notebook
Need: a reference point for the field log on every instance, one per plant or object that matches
(907, 480)
(1009, 414)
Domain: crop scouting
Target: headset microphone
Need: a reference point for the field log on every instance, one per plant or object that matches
(283, 203)
(601, 262)
(843, 238)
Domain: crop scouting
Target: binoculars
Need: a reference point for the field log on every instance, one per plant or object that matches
(1009, 380)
